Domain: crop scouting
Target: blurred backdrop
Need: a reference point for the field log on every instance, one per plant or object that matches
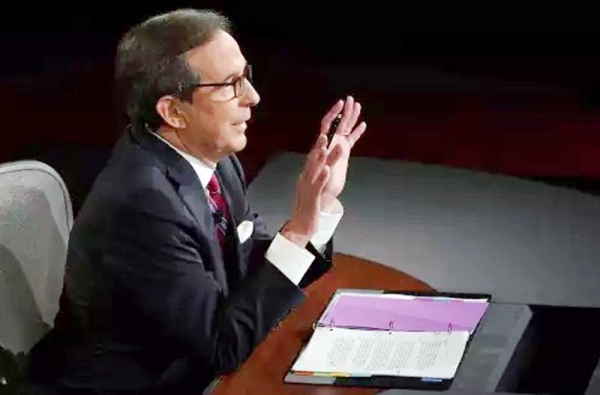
(498, 88)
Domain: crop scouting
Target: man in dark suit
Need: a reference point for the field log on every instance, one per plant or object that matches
(172, 278)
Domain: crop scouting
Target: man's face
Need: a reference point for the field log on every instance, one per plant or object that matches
(216, 118)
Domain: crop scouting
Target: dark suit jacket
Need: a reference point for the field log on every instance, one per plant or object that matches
(150, 303)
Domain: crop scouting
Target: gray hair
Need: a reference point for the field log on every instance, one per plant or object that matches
(150, 60)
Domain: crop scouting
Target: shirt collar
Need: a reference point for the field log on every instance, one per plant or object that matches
(203, 171)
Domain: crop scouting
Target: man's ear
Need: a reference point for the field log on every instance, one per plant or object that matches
(168, 108)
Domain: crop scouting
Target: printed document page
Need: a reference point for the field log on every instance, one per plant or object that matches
(340, 351)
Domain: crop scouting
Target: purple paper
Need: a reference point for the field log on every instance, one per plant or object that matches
(418, 314)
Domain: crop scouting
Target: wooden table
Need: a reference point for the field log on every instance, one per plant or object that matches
(264, 370)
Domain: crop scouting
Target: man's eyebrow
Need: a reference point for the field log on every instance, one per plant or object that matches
(236, 74)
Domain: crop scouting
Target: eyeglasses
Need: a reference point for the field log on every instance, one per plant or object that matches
(238, 84)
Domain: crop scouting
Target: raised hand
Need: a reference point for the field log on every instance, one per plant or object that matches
(346, 136)
(304, 220)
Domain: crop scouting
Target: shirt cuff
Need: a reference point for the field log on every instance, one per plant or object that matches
(291, 260)
(328, 223)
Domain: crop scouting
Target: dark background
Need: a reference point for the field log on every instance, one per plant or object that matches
(496, 88)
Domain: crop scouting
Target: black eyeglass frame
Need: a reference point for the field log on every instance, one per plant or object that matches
(238, 83)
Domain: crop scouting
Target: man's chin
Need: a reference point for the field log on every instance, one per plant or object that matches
(240, 143)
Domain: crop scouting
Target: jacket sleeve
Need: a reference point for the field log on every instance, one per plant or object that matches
(163, 285)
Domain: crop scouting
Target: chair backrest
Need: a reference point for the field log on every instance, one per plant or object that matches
(35, 220)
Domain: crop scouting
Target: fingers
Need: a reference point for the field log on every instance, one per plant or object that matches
(322, 179)
(312, 193)
(313, 179)
(317, 167)
(350, 115)
(356, 134)
(334, 156)
(346, 108)
(316, 162)
(314, 152)
(347, 115)
(354, 114)
(330, 116)
(316, 159)
(350, 110)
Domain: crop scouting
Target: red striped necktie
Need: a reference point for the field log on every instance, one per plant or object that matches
(218, 207)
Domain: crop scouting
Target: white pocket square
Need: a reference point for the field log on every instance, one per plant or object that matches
(245, 230)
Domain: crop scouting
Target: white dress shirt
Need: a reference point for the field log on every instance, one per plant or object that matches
(292, 260)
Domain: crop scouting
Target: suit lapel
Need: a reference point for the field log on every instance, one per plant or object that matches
(185, 181)
(233, 255)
